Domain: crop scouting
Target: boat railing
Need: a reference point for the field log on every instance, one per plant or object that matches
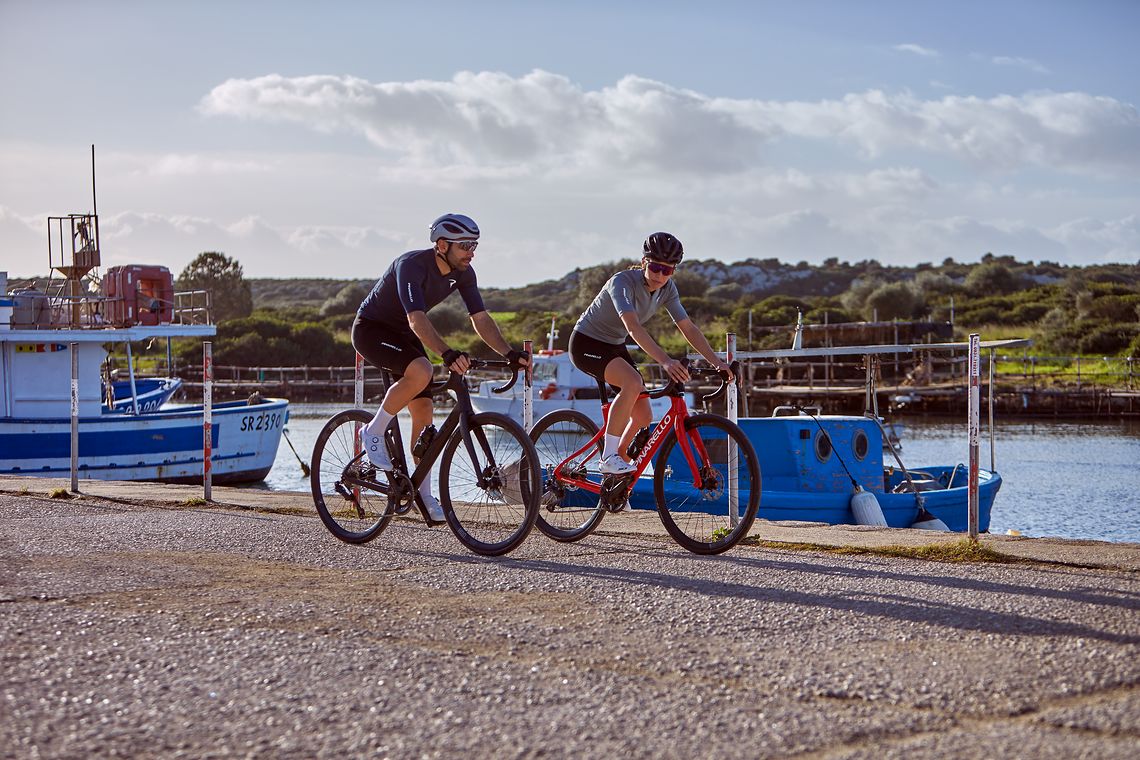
(63, 310)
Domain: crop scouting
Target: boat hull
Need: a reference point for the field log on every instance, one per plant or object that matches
(164, 446)
(151, 393)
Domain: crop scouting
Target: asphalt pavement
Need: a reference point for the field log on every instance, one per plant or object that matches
(140, 621)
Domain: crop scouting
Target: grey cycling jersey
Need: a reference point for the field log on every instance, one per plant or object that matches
(626, 291)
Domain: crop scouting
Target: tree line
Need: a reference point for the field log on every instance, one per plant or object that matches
(1067, 310)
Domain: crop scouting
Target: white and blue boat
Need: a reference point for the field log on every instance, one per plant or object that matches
(136, 438)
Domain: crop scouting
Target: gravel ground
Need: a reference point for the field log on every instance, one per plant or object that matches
(161, 630)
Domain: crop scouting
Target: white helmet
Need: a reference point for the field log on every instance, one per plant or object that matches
(454, 227)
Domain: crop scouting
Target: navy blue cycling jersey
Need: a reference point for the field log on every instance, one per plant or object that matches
(413, 283)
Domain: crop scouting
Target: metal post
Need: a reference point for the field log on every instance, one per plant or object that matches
(131, 375)
(528, 387)
(358, 396)
(75, 418)
(733, 452)
(993, 352)
(207, 419)
(973, 424)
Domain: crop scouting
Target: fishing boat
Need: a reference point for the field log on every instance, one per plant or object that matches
(828, 468)
(812, 465)
(52, 351)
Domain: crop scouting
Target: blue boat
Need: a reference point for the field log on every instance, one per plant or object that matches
(803, 477)
(805, 474)
(150, 394)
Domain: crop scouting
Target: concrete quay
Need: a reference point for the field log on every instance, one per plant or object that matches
(138, 621)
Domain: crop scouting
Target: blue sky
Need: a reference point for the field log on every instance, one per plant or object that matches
(320, 139)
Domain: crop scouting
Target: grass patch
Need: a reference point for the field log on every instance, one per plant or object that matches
(196, 501)
(964, 550)
(60, 493)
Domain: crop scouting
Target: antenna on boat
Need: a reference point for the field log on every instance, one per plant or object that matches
(94, 206)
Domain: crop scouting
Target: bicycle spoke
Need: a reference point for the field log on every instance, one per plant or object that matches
(569, 512)
(494, 500)
(707, 511)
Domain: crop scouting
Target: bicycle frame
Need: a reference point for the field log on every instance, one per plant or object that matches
(675, 419)
(458, 418)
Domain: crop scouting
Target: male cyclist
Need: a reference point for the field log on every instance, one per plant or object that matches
(391, 329)
(597, 344)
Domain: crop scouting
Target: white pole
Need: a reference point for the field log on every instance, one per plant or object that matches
(358, 395)
(75, 418)
(207, 419)
(973, 412)
(993, 353)
(733, 452)
(528, 387)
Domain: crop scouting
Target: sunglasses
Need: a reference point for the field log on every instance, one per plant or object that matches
(465, 245)
(656, 268)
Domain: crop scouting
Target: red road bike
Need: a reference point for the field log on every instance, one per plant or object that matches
(705, 477)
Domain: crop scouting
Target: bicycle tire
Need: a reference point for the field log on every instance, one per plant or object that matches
(576, 512)
(493, 519)
(335, 454)
(699, 519)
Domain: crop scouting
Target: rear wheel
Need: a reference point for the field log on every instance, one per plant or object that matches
(711, 512)
(568, 513)
(351, 496)
(491, 501)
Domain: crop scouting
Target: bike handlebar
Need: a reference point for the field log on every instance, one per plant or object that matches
(439, 385)
(667, 389)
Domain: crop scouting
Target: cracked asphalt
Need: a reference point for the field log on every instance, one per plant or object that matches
(160, 629)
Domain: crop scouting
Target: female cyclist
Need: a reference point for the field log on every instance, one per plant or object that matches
(597, 344)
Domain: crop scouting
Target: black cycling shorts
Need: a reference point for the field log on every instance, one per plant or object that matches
(592, 356)
(385, 348)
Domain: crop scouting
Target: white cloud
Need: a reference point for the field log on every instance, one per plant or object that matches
(908, 48)
(543, 125)
(1025, 63)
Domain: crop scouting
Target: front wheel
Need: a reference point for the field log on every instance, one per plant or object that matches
(493, 497)
(568, 512)
(709, 510)
(351, 497)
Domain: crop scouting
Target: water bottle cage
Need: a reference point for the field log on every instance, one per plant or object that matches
(424, 441)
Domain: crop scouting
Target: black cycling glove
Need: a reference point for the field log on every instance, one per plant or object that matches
(514, 356)
(450, 356)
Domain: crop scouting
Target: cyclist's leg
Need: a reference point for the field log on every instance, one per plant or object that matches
(625, 376)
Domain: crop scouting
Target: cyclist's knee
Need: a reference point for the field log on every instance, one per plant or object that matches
(419, 373)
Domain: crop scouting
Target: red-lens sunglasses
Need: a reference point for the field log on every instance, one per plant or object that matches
(660, 268)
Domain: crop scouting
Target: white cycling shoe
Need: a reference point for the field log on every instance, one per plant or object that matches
(376, 450)
(615, 465)
(435, 511)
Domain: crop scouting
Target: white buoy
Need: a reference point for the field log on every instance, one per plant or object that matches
(927, 521)
(866, 508)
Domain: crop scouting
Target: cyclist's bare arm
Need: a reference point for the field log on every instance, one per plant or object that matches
(425, 331)
(698, 341)
(488, 330)
(641, 337)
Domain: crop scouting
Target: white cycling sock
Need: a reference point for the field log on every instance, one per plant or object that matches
(379, 423)
(611, 445)
(425, 488)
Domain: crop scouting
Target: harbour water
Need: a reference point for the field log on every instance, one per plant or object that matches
(1068, 479)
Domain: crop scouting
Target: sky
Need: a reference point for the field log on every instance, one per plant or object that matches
(319, 140)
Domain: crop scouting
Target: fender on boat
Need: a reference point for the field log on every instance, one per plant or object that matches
(866, 509)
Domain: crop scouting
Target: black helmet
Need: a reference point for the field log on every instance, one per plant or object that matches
(663, 247)
(454, 227)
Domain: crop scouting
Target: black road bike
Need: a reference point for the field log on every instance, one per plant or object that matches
(489, 476)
